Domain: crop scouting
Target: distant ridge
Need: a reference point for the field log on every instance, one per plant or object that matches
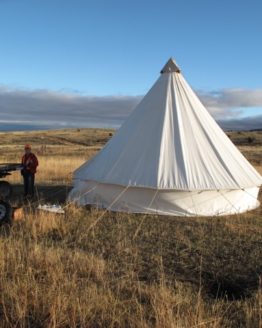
(9, 127)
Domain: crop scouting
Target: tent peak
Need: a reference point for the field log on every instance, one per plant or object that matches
(170, 67)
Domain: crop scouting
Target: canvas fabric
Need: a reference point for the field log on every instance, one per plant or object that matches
(170, 144)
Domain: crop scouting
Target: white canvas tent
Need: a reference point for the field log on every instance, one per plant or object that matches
(169, 157)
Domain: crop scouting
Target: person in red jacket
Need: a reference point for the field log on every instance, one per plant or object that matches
(30, 163)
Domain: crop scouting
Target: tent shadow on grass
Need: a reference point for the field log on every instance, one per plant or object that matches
(54, 194)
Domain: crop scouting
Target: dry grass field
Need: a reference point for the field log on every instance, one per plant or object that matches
(90, 268)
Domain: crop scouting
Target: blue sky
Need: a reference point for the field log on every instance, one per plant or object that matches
(117, 48)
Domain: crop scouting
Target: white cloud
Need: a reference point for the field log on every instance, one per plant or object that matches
(48, 109)
(230, 103)
(43, 106)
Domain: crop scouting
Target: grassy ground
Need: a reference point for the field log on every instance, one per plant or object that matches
(99, 269)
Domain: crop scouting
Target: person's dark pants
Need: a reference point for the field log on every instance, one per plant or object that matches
(29, 183)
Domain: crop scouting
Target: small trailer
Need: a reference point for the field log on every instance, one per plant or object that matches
(6, 190)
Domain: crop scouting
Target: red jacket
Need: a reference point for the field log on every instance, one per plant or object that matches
(30, 162)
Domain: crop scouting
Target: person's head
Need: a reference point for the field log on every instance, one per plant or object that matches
(27, 149)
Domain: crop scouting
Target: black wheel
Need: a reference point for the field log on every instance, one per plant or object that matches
(5, 189)
(5, 212)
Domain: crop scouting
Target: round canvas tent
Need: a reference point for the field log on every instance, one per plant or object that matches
(169, 157)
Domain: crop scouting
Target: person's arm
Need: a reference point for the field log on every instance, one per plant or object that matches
(23, 166)
(35, 161)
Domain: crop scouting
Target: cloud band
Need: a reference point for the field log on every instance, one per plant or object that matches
(25, 109)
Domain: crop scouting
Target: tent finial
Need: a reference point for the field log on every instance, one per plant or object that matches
(170, 67)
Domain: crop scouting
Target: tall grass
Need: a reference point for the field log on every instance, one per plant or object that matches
(126, 270)
(55, 272)
(52, 170)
